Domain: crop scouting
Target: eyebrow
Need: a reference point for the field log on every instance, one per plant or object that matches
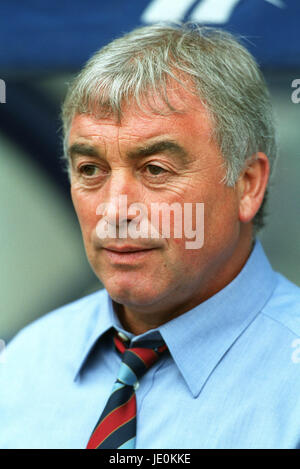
(159, 147)
(169, 146)
(82, 149)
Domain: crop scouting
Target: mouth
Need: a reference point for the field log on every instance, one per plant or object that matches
(128, 248)
(127, 254)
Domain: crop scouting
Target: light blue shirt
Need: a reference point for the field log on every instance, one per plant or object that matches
(231, 378)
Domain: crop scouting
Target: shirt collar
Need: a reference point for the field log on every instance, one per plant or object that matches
(198, 339)
(106, 320)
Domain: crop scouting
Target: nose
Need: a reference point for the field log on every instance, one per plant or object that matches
(122, 190)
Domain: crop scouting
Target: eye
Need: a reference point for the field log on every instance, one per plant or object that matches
(88, 170)
(155, 170)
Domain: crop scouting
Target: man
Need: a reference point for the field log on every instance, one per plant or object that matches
(177, 118)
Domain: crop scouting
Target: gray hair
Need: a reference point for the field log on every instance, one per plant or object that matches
(224, 75)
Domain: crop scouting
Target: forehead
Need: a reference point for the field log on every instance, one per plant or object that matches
(152, 118)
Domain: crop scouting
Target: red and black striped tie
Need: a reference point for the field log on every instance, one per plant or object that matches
(116, 428)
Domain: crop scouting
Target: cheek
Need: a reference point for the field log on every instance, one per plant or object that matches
(181, 255)
(223, 207)
(85, 210)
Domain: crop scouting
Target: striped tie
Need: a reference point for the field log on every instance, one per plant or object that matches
(116, 428)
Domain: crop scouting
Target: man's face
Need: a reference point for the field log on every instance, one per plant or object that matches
(154, 158)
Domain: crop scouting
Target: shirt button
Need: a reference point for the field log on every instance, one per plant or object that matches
(123, 336)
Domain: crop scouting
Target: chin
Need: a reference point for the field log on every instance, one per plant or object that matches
(129, 294)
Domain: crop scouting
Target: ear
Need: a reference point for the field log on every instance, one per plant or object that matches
(252, 186)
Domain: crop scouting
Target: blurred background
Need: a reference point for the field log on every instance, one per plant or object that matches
(42, 45)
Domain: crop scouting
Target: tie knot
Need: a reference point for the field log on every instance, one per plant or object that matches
(137, 360)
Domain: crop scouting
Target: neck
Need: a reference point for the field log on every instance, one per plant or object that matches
(139, 319)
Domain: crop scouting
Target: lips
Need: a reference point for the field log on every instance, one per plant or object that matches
(127, 255)
(127, 249)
